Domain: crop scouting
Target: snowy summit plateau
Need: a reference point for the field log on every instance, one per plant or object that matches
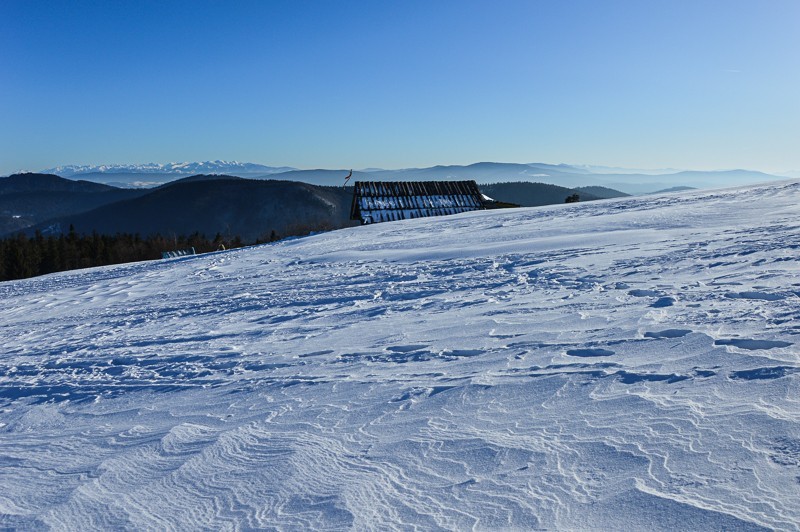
(626, 364)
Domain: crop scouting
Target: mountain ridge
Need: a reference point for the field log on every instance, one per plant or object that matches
(36, 182)
(29, 199)
(628, 181)
(487, 171)
(247, 208)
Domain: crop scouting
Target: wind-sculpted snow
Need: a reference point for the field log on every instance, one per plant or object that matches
(625, 364)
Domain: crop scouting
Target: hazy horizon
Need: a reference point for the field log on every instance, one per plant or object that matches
(597, 169)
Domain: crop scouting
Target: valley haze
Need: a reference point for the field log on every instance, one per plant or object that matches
(632, 181)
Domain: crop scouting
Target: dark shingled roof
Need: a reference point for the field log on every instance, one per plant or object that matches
(376, 201)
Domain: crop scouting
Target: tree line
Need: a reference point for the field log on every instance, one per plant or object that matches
(22, 256)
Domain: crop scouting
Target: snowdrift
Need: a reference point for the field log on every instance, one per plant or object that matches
(618, 364)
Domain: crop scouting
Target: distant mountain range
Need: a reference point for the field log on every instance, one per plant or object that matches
(630, 181)
(186, 169)
(572, 177)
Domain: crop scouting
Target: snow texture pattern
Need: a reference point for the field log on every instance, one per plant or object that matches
(623, 364)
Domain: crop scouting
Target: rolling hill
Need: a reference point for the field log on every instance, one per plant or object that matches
(209, 205)
(601, 192)
(29, 199)
(527, 194)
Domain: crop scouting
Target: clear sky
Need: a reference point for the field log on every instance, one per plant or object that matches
(638, 83)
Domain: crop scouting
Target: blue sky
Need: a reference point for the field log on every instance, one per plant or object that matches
(649, 84)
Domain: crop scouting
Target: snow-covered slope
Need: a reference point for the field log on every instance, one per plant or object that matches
(623, 364)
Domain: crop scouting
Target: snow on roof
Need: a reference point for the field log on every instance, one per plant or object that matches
(377, 201)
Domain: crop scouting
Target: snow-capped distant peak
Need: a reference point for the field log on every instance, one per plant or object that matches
(176, 168)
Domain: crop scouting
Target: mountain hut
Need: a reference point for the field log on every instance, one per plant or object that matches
(380, 201)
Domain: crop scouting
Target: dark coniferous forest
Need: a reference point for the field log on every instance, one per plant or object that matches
(22, 256)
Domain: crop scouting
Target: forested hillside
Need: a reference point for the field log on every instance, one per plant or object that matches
(527, 194)
(30, 199)
(22, 256)
(249, 209)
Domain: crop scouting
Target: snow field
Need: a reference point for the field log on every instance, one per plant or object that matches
(618, 364)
